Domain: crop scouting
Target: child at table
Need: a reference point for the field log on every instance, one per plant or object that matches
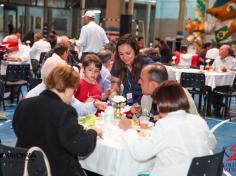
(89, 88)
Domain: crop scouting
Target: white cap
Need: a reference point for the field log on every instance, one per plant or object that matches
(89, 13)
(212, 53)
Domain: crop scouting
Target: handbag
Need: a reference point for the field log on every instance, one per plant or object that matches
(31, 150)
(19, 161)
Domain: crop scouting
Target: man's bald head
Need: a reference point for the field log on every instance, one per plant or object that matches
(224, 51)
(64, 40)
(151, 76)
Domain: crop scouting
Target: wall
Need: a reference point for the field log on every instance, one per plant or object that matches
(166, 17)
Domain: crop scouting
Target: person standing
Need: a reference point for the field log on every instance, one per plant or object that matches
(92, 36)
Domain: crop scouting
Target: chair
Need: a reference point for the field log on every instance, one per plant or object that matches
(12, 161)
(33, 82)
(195, 83)
(228, 93)
(207, 165)
(16, 76)
(35, 67)
(2, 90)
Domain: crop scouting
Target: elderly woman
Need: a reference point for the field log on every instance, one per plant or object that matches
(127, 67)
(177, 136)
(49, 122)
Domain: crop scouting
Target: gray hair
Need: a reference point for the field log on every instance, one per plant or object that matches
(157, 72)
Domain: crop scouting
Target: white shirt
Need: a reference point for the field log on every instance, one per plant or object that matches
(39, 47)
(51, 61)
(175, 140)
(22, 53)
(82, 109)
(92, 38)
(228, 62)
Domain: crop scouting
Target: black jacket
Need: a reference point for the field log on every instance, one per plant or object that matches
(49, 123)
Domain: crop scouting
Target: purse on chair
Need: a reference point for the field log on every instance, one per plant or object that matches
(23, 162)
(31, 150)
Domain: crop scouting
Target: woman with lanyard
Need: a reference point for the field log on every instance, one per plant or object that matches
(126, 69)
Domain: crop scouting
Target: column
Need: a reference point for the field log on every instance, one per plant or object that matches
(147, 24)
(131, 7)
(82, 5)
(114, 8)
(181, 16)
(75, 21)
(45, 17)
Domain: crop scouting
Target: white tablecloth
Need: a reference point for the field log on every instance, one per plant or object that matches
(213, 79)
(112, 158)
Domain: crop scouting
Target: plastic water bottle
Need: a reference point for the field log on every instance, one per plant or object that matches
(109, 113)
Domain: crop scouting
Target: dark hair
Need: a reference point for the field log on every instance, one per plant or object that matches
(104, 55)
(140, 38)
(60, 49)
(92, 58)
(157, 72)
(170, 96)
(206, 45)
(151, 53)
(157, 38)
(128, 39)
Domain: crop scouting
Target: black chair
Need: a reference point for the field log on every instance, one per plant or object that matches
(42, 58)
(16, 76)
(210, 165)
(35, 67)
(33, 82)
(195, 83)
(228, 93)
(12, 162)
(2, 90)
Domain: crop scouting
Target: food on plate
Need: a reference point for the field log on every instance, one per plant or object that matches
(87, 121)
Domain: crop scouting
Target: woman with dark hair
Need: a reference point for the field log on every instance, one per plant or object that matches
(177, 136)
(127, 67)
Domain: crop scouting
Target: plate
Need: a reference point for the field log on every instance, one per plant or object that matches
(136, 124)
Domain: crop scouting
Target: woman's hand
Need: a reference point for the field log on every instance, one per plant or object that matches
(136, 109)
(100, 105)
(125, 123)
(99, 132)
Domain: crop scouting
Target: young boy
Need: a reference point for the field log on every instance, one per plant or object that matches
(89, 88)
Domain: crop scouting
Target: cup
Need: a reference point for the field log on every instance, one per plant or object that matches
(201, 67)
(143, 122)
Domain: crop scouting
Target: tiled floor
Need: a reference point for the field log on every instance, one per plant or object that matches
(225, 135)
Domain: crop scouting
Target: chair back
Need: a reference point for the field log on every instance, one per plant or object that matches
(35, 66)
(193, 80)
(234, 85)
(207, 165)
(17, 72)
(12, 161)
(2, 89)
(33, 82)
(41, 58)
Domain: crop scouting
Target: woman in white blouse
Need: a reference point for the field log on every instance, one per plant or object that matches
(177, 137)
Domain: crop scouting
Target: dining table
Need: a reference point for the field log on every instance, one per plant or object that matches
(111, 156)
(213, 78)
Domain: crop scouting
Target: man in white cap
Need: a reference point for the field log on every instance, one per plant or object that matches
(92, 36)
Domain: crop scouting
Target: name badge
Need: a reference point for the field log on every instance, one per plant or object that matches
(129, 97)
